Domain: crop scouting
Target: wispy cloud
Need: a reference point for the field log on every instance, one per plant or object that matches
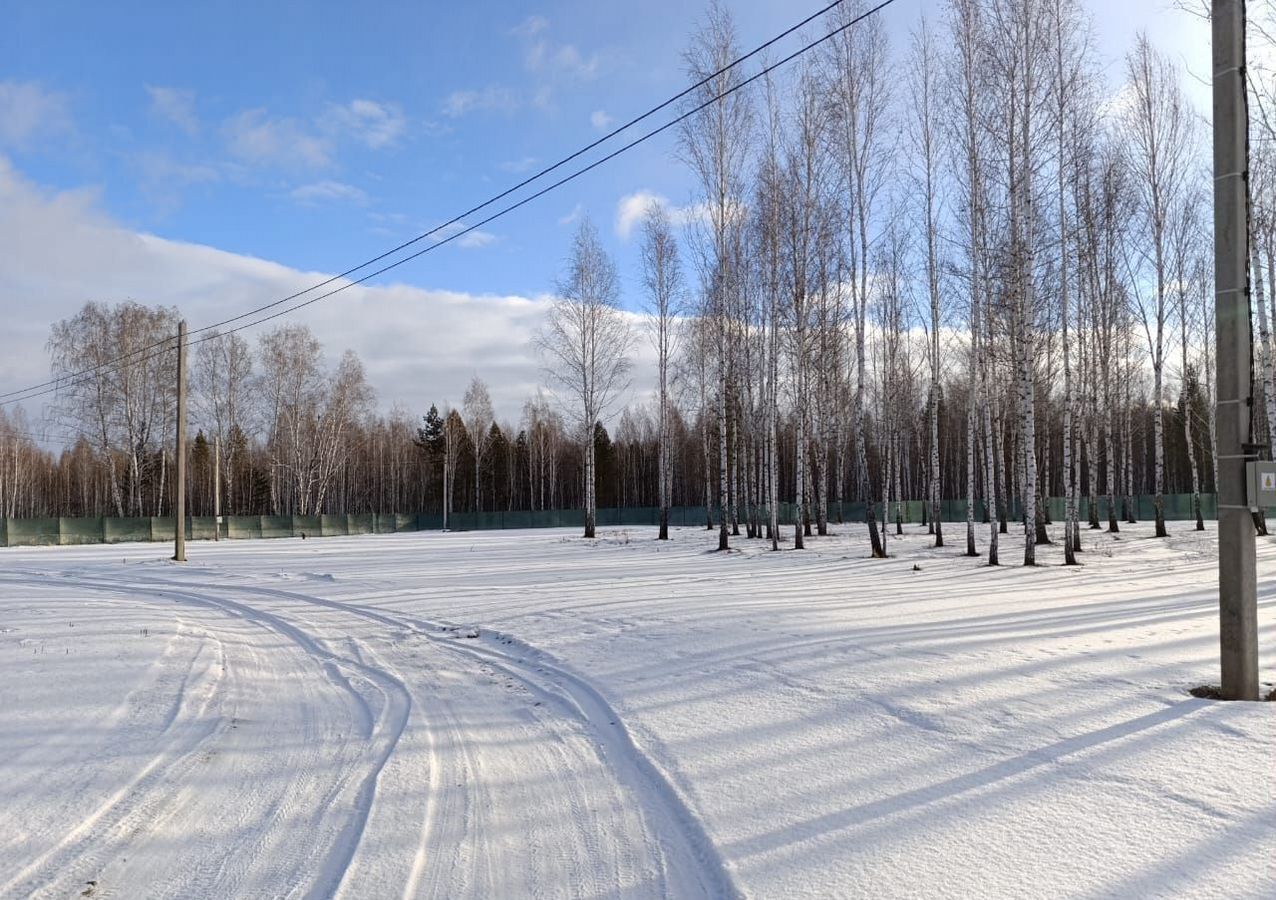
(164, 180)
(472, 240)
(176, 106)
(376, 125)
(600, 120)
(29, 111)
(328, 192)
(476, 239)
(543, 55)
(492, 97)
(518, 166)
(254, 136)
(631, 208)
(549, 63)
(577, 211)
(257, 137)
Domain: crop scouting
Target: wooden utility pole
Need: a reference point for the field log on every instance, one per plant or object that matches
(217, 488)
(179, 487)
(1237, 577)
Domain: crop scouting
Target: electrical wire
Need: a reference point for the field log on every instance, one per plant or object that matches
(72, 379)
(11, 396)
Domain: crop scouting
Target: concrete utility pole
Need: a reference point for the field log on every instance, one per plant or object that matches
(179, 507)
(217, 489)
(1237, 577)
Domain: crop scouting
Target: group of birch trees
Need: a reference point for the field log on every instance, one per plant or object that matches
(971, 266)
(275, 425)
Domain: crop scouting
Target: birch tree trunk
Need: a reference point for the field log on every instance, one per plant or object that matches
(1069, 488)
(925, 138)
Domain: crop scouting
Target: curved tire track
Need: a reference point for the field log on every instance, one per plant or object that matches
(688, 855)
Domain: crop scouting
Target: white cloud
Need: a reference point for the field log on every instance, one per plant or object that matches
(328, 192)
(257, 138)
(164, 179)
(376, 125)
(176, 106)
(531, 27)
(419, 345)
(493, 97)
(157, 167)
(518, 166)
(600, 120)
(631, 208)
(471, 240)
(542, 55)
(577, 211)
(550, 64)
(28, 112)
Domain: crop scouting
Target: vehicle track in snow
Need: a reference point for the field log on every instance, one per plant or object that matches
(192, 720)
(150, 803)
(517, 778)
(685, 860)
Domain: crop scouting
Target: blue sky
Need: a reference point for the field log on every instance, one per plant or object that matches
(315, 134)
(218, 155)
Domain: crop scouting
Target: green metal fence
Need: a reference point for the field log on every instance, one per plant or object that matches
(69, 531)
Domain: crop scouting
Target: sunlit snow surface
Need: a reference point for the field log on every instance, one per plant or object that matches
(297, 718)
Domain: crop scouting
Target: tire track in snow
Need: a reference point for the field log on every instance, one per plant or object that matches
(688, 855)
(455, 821)
(391, 720)
(131, 803)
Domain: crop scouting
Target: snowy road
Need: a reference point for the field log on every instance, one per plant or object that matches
(317, 718)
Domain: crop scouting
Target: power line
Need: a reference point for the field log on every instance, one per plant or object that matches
(41, 438)
(455, 219)
(53, 385)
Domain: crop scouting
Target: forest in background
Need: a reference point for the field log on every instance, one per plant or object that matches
(965, 267)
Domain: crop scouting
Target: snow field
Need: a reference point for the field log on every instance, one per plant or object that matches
(634, 719)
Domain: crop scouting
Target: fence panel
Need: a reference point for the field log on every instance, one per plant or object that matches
(118, 531)
(32, 532)
(52, 531)
(276, 526)
(461, 521)
(1146, 507)
(524, 518)
(307, 526)
(333, 526)
(79, 531)
(243, 527)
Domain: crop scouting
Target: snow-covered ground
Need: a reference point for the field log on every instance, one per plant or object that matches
(633, 719)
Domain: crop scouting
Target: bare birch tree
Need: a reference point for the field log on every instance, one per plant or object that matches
(662, 280)
(477, 409)
(715, 143)
(125, 402)
(860, 100)
(221, 382)
(1158, 125)
(925, 139)
(585, 343)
